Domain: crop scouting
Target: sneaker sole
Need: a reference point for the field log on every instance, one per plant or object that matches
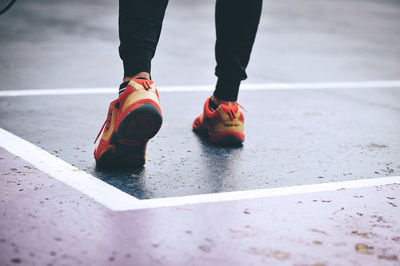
(128, 144)
(227, 139)
(224, 139)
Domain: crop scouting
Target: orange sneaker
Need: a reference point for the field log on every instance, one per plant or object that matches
(133, 118)
(224, 125)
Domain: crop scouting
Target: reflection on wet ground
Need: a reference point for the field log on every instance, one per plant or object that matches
(292, 138)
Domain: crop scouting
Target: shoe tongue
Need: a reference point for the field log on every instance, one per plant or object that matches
(144, 82)
(227, 108)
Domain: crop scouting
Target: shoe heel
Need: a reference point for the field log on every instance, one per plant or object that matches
(141, 124)
(123, 156)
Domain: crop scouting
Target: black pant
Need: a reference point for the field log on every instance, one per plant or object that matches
(236, 22)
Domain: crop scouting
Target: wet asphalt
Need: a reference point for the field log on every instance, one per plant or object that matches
(292, 137)
(62, 44)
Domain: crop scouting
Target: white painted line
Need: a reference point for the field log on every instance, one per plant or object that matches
(244, 86)
(89, 185)
(264, 193)
(118, 200)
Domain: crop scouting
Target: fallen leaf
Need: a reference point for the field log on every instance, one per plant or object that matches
(281, 255)
(363, 249)
(387, 257)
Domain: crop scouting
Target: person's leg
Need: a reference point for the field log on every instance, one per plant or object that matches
(140, 23)
(135, 116)
(236, 27)
(236, 24)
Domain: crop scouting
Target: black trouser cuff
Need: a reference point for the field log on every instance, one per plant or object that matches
(227, 90)
(133, 67)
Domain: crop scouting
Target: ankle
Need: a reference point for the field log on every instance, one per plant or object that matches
(145, 75)
(217, 101)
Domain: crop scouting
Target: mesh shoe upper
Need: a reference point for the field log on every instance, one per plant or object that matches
(223, 123)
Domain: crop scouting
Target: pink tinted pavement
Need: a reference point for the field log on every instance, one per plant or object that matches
(45, 222)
